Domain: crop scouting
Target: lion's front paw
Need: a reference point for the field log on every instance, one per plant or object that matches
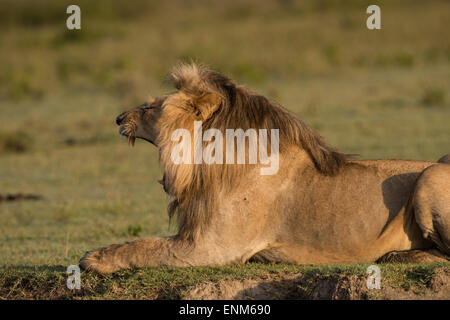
(100, 260)
(91, 262)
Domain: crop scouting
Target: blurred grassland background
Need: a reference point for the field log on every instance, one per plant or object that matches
(381, 94)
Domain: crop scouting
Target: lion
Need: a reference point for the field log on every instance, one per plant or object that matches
(321, 207)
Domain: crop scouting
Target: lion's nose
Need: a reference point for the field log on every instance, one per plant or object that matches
(120, 118)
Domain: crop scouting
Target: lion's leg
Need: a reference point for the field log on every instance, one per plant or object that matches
(168, 251)
(431, 202)
(141, 253)
(414, 256)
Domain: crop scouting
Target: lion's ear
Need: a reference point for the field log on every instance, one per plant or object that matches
(208, 104)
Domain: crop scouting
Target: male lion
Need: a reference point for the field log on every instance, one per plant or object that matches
(320, 207)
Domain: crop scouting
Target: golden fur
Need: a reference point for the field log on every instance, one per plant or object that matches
(321, 207)
(193, 186)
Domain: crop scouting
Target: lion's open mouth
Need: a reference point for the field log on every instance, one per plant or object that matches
(126, 132)
(123, 132)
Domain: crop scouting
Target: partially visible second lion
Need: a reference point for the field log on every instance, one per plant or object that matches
(320, 207)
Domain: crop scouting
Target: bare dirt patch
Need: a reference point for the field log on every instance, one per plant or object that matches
(19, 197)
(15, 142)
(332, 287)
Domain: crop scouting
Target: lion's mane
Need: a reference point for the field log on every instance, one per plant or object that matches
(194, 187)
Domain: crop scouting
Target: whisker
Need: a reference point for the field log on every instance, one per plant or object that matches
(131, 139)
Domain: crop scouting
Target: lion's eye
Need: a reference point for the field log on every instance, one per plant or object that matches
(146, 107)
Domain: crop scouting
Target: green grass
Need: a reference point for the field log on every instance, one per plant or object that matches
(380, 94)
(49, 282)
